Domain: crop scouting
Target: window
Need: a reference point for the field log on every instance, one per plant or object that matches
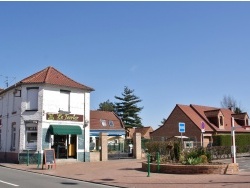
(32, 98)
(64, 101)
(31, 136)
(221, 121)
(111, 123)
(13, 136)
(103, 122)
(14, 105)
(188, 144)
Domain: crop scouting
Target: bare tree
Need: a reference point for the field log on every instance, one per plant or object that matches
(229, 102)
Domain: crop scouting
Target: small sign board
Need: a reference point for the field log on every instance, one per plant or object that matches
(202, 126)
(181, 127)
(49, 158)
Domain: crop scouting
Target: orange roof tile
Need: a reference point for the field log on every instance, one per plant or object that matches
(95, 120)
(52, 76)
(197, 114)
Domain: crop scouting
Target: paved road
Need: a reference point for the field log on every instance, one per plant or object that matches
(128, 173)
(16, 178)
(244, 163)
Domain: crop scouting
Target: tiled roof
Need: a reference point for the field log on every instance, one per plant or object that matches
(95, 120)
(52, 76)
(197, 114)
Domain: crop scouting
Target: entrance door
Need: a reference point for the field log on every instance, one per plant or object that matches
(72, 146)
(60, 146)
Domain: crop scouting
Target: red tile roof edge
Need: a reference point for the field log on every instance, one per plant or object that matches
(46, 81)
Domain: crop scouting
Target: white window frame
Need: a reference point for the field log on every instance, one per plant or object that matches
(64, 101)
(188, 144)
(29, 129)
(32, 98)
(103, 122)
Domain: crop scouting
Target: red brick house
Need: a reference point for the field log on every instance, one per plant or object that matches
(216, 121)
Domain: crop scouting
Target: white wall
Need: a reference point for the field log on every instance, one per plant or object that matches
(48, 102)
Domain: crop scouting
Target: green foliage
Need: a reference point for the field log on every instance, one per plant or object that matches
(177, 149)
(242, 141)
(193, 161)
(171, 152)
(107, 106)
(127, 109)
(202, 153)
(203, 158)
(221, 140)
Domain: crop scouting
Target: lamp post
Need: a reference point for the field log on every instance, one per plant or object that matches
(84, 145)
(233, 149)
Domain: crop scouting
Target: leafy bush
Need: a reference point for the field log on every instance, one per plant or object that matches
(193, 161)
(203, 158)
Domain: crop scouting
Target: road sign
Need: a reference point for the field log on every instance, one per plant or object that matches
(202, 126)
(181, 127)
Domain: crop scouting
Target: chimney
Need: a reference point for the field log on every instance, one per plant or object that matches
(231, 108)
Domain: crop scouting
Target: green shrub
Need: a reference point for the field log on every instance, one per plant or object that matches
(193, 161)
(203, 158)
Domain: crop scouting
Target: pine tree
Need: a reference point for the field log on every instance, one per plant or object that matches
(127, 109)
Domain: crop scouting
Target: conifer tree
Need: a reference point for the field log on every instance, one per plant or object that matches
(127, 108)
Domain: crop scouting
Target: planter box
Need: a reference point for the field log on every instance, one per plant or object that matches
(192, 169)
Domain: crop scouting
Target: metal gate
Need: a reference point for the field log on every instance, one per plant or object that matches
(119, 150)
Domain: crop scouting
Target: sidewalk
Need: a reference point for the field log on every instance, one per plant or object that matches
(127, 173)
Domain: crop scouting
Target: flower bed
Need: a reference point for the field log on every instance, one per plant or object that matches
(192, 169)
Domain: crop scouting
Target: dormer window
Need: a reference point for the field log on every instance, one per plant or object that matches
(221, 121)
(215, 117)
(241, 119)
(103, 122)
(111, 123)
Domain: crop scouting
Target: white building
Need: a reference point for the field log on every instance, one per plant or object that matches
(43, 111)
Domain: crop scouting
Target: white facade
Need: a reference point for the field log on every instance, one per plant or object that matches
(24, 119)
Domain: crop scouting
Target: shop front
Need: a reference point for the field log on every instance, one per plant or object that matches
(64, 140)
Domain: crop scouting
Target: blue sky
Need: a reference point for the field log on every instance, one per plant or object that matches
(168, 52)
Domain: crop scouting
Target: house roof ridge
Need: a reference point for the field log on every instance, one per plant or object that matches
(47, 73)
(48, 78)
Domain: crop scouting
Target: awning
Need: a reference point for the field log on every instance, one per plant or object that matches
(64, 129)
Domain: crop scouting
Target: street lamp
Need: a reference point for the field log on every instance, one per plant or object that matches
(233, 149)
(86, 122)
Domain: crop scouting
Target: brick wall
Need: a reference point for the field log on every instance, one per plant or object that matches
(186, 169)
(171, 126)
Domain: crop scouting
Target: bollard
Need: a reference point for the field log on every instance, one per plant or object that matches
(38, 159)
(148, 165)
(158, 162)
(28, 158)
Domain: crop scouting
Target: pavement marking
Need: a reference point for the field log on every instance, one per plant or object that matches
(9, 183)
